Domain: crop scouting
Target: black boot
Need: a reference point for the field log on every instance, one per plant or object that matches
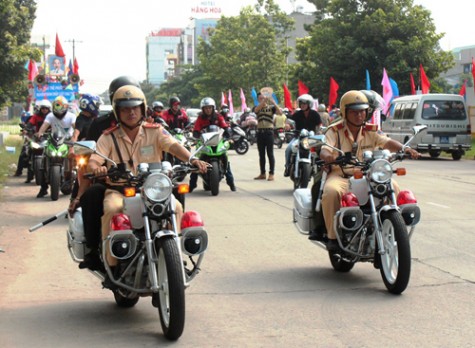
(43, 192)
(316, 235)
(232, 186)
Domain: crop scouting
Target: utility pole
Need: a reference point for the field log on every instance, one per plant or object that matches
(74, 47)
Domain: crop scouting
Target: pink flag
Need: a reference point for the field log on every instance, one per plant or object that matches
(473, 71)
(387, 91)
(223, 99)
(32, 70)
(230, 99)
(243, 101)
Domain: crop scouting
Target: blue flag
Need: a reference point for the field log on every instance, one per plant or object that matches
(275, 98)
(368, 82)
(394, 87)
(254, 96)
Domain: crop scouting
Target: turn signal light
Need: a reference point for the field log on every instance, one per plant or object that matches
(183, 188)
(358, 174)
(129, 191)
(401, 171)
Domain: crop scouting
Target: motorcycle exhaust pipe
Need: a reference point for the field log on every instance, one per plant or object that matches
(122, 244)
(350, 218)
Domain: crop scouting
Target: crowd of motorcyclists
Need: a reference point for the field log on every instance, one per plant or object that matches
(132, 118)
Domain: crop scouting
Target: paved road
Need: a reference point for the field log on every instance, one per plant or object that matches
(262, 284)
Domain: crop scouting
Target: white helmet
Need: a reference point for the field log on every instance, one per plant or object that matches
(305, 98)
(44, 103)
(321, 108)
(207, 102)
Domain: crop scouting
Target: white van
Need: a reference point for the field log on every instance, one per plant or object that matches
(448, 126)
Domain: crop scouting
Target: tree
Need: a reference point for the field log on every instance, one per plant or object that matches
(350, 36)
(245, 51)
(16, 22)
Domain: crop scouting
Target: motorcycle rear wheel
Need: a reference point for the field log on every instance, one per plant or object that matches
(396, 262)
(55, 181)
(242, 147)
(124, 301)
(171, 293)
(338, 263)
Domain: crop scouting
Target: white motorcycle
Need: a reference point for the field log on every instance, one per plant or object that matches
(372, 225)
(155, 257)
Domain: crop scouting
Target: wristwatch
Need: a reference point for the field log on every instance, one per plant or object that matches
(192, 158)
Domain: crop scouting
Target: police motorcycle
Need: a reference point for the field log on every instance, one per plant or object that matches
(55, 162)
(156, 258)
(301, 160)
(215, 152)
(372, 225)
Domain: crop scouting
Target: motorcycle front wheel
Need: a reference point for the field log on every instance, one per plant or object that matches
(304, 177)
(37, 170)
(242, 147)
(214, 178)
(396, 261)
(55, 181)
(171, 293)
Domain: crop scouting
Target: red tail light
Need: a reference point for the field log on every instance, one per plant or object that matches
(191, 219)
(120, 222)
(406, 197)
(349, 200)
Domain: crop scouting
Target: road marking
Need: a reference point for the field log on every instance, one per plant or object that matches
(439, 205)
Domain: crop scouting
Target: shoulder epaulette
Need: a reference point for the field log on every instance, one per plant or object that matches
(371, 127)
(151, 125)
(111, 129)
(336, 126)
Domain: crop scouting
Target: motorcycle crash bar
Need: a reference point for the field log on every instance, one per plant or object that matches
(51, 219)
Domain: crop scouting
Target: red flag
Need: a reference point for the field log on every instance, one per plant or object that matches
(425, 84)
(287, 98)
(302, 88)
(32, 70)
(224, 100)
(76, 67)
(463, 90)
(473, 72)
(333, 92)
(413, 85)
(58, 48)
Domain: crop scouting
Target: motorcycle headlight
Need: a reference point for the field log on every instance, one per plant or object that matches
(304, 143)
(381, 171)
(158, 187)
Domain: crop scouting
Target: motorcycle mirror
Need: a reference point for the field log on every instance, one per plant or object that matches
(84, 147)
(418, 129)
(316, 141)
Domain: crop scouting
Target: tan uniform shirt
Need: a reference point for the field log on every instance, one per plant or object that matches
(147, 147)
(338, 135)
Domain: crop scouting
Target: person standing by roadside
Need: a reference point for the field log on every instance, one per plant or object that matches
(265, 111)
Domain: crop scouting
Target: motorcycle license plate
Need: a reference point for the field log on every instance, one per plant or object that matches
(444, 140)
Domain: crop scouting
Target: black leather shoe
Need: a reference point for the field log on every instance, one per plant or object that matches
(17, 174)
(232, 187)
(42, 193)
(192, 187)
(286, 172)
(93, 262)
(315, 235)
(332, 245)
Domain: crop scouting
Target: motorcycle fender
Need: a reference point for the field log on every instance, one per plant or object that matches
(304, 160)
(133, 209)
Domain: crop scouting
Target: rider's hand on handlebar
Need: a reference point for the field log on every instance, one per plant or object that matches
(100, 171)
(412, 153)
(201, 165)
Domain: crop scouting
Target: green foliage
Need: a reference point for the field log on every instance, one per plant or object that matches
(16, 22)
(354, 35)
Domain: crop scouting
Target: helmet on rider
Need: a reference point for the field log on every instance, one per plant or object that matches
(157, 106)
(224, 108)
(128, 96)
(375, 101)
(322, 108)
(207, 102)
(60, 106)
(305, 99)
(90, 103)
(354, 100)
(119, 82)
(44, 104)
(174, 101)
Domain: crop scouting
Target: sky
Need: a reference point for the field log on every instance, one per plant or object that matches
(110, 35)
